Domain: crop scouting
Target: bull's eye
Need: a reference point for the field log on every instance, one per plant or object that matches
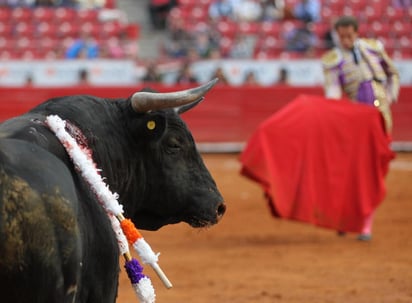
(173, 146)
(151, 125)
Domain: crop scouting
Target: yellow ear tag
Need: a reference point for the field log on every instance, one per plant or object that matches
(151, 125)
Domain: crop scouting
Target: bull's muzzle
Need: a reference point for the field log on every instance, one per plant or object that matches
(220, 211)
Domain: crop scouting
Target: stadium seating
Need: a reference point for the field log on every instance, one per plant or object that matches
(378, 19)
(36, 32)
(44, 27)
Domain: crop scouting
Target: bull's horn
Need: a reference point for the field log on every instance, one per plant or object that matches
(145, 101)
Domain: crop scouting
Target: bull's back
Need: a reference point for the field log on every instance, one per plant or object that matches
(39, 237)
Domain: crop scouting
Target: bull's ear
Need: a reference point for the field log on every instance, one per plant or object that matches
(151, 126)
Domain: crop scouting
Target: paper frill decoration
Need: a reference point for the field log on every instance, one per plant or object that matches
(141, 283)
(124, 229)
(143, 249)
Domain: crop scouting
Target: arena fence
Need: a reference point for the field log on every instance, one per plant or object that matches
(224, 121)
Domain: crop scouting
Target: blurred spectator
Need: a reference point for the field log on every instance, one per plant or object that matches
(307, 10)
(152, 74)
(273, 10)
(221, 9)
(250, 79)
(242, 47)
(220, 74)
(178, 41)
(185, 75)
(84, 47)
(248, 10)
(45, 3)
(84, 77)
(202, 44)
(301, 39)
(158, 12)
(283, 77)
(215, 53)
(330, 39)
(192, 55)
(205, 38)
(29, 80)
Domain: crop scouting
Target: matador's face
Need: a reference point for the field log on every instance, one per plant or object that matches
(347, 36)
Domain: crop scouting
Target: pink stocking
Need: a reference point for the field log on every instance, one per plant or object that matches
(367, 225)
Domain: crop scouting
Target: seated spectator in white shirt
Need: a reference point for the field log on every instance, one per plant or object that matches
(248, 10)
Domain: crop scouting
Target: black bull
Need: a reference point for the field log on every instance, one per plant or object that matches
(56, 241)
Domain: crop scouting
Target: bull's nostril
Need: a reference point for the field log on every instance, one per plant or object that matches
(221, 209)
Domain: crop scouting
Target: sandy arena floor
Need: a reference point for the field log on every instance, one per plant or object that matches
(252, 257)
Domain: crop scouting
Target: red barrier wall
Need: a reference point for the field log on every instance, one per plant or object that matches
(228, 114)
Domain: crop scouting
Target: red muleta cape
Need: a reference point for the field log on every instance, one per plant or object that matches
(321, 161)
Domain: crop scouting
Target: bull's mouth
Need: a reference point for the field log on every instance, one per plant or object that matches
(200, 223)
(150, 221)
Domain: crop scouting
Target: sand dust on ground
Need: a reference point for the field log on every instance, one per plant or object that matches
(251, 256)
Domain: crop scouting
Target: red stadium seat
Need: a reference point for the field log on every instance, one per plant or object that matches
(270, 29)
(6, 29)
(248, 28)
(380, 29)
(225, 45)
(357, 5)
(269, 46)
(24, 29)
(401, 29)
(372, 14)
(399, 54)
(31, 53)
(326, 14)
(389, 43)
(47, 43)
(292, 55)
(268, 42)
(183, 3)
(335, 6)
(320, 28)
(267, 53)
(227, 28)
(9, 54)
(21, 14)
(22, 44)
(363, 29)
(394, 15)
(199, 14)
(46, 30)
(68, 29)
(405, 43)
(110, 29)
(5, 14)
(178, 13)
(91, 28)
(87, 15)
(43, 14)
(64, 14)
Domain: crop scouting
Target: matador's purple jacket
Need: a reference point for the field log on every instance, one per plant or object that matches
(365, 74)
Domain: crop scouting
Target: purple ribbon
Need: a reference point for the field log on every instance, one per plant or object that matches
(134, 271)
